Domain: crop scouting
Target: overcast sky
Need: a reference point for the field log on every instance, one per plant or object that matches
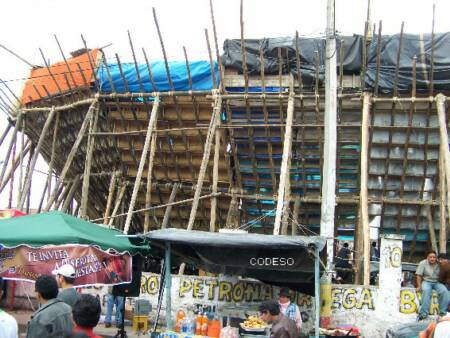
(28, 25)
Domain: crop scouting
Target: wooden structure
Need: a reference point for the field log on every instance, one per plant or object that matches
(219, 158)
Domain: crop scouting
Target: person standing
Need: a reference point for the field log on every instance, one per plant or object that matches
(65, 276)
(86, 314)
(444, 274)
(8, 324)
(282, 326)
(427, 275)
(54, 317)
(288, 308)
(112, 301)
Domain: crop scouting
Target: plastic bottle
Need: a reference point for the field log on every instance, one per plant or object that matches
(198, 324)
(214, 328)
(179, 320)
(204, 320)
(184, 325)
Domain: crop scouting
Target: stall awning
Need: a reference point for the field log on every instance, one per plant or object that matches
(279, 260)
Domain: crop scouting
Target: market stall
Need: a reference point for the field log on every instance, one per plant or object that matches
(292, 261)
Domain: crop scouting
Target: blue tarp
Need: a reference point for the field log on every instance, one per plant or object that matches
(200, 74)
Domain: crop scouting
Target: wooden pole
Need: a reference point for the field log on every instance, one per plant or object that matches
(440, 104)
(284, 175)
(169, 207)
(71, 193)
(112, 187)
(52, 156)
(5, 133)
(29, 173)
(286, 206)
(148, 194)
(137, 183)
(212, 224)
(36, 154)
(87, 166)
(206, 153)
(120, 195)
(14, 168)
(442, 199)
(11, 181)
(296, 220)
(8, 152)
(431, 231)
(72, 152)
(363, 195)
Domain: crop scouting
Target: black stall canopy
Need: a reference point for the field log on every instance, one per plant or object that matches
(278, 260)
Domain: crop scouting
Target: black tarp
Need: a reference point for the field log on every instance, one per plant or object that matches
(412, 45)
(236, 254)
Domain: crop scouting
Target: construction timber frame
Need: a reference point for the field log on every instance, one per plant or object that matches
(214, 159)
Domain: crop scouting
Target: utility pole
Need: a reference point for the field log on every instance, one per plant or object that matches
(329, 151)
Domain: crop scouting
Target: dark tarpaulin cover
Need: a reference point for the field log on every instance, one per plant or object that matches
(412, 45)
(235, 254)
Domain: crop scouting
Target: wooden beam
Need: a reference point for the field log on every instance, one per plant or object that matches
(52, 156)
(36, 154)
(440, 104)
(148, 194)
(442, 205)
(363, 194)
(296, 219)
(119, 198)
(70, 194)
(112, 186)
(169, 207)
(137, 183)
(87, 165)
(284, 174)
(16, 163)
(208, 145)
(13, 141)
(212, 224)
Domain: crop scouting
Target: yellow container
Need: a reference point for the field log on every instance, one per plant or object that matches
(140, 323)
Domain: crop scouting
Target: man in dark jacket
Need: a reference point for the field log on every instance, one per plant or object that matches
(54, 317)
(444, 274)
(282, 326)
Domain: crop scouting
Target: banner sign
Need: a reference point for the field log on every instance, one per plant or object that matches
(92, 265)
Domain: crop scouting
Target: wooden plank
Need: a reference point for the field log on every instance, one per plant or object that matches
(284, 174)
(137, 183)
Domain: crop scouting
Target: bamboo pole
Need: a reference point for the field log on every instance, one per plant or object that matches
(71, 194)
(296, 221)
(14, 167)
(363, 195)
(212, 224)
(120, 195)
(36, 154)
(148, 194)
(72, 153)
(442, 199)
(206, 153)
(29, 173)
(286, 157)
(440, 103)
(8, 152)
(5, 133)
(87, 166)
(112, 186)
(151, 126)
(52, 156)
(431, 231)
(11, 181)
(173, 193)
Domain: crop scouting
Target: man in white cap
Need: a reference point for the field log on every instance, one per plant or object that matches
(65, 276)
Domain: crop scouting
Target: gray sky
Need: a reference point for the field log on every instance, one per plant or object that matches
(28, 25)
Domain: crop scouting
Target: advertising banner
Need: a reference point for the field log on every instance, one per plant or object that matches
(92, 265)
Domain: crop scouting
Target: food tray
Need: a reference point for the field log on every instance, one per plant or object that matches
(252, 329)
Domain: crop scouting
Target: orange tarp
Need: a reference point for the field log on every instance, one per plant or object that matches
(64, 78)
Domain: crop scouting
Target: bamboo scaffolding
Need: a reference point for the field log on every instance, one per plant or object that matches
(151, 125)
(16, 164)
(72, 153)
(36, 154)
(173, 194)
(8, 152)
(148, 194)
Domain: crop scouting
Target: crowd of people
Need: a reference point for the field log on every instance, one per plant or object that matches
(61, 313)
